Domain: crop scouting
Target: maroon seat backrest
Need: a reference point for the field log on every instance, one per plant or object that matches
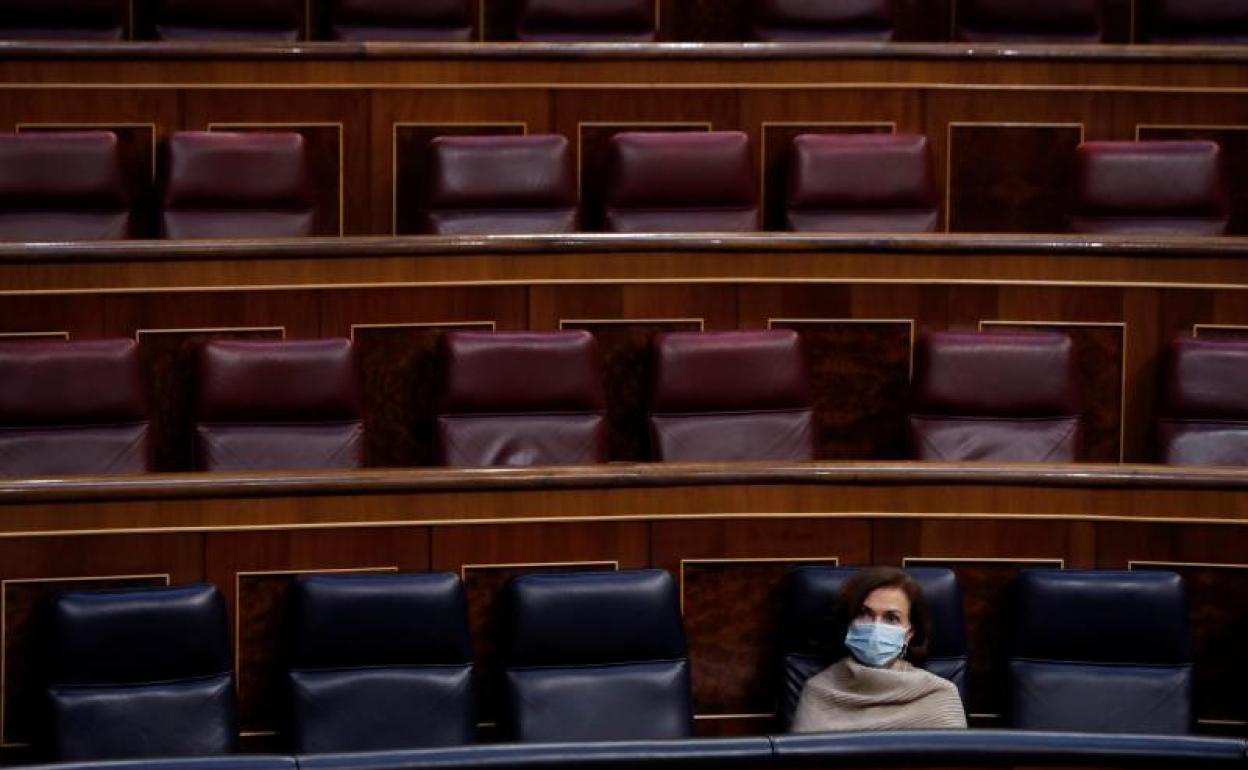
(1194, 21)
(850, 183)
(62, 186)
(103, 20)
(71, 408)
(776, 21)
(585, 20)
(243, 20)
(994, 396)
(522, 398)
(237, 185)
(687, 181)
(1021, 21)
(1202, 410)
(278, 405)
(727, 396)
(500, 184)
(1176, 188)
(447, 20)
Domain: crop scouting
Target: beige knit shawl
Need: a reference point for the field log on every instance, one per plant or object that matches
(850, 696)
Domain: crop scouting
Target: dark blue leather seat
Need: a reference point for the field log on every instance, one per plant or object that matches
(141, 673)
(806, 620)
(381, 662)
(596, 656)
(1101, 651)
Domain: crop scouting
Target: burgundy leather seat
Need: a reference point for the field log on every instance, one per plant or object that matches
(1202, 412)
(278, 405)
(237, 185)
(1001, 397)
(776, 21)
(62, 186)
(446, 20)
(522, 398)
(861, 183)
(103, 20)
(1159, 188)
(1194, 21)
(681, 182)
(725, 396)
(244, 20)
(500, 184)
(562, 21)
(72, 408)
(1021, 21)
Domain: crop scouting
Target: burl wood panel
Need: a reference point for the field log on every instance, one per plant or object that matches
(411, 151)
(704, 20)
(1010, 178)
(859, 374)
(1214, 332)
(1234, 143)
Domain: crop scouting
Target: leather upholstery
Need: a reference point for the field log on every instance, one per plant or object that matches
(380, 662)
(806, 624)
(1194, 21)
(1150, 188)
(724, 396)
(141, 673)
(1101, 651)
(249, 20)
(1020, 21)
(596, 656)
(278, 405)
(861, 183)
(225, 762)
(994, 396)
(777, 21)
(237, 185)
(1202, 414)
(62, 186)
(522, 398)
(72, 408)
(101, 20)
(681, 182)
(500, 184)
(564, 21)
(445, 20)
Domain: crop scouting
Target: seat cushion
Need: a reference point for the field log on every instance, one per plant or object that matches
(1203, 404)
(592, 20)
(445, 20)
(1070, 21)
(801, 20)
(256, 20)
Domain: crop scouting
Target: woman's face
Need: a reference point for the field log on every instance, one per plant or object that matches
(888, 605)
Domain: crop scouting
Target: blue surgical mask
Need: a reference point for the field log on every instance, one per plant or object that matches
(875, 644)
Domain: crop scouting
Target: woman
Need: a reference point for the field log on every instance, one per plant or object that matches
(878, 686)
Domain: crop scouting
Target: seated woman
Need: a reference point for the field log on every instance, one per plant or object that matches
(878, 685)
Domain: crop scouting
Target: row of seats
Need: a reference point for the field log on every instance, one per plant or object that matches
(386, 661)
(71, 186)
(537, 398)
(1070, 21)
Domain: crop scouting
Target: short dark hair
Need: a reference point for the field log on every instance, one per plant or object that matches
(860, 585)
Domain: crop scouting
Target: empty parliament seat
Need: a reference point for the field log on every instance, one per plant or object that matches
(779, 21)
(1100, 651)
(994, 396)
(595, 656)
(1021, 21)
(241, 20)
(522, 398)
(681, 182)
(500, 184)
(861, 183)
(278, 405)
(237, 185)
(565, 21)
(725, 396)
(1160, 188)
(380, 662)
(1206, 22)
(1202, 413)
(72, 408)
(102, 20)
(808, 603)
(446, 20)
(141, 673)
(63, 186)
